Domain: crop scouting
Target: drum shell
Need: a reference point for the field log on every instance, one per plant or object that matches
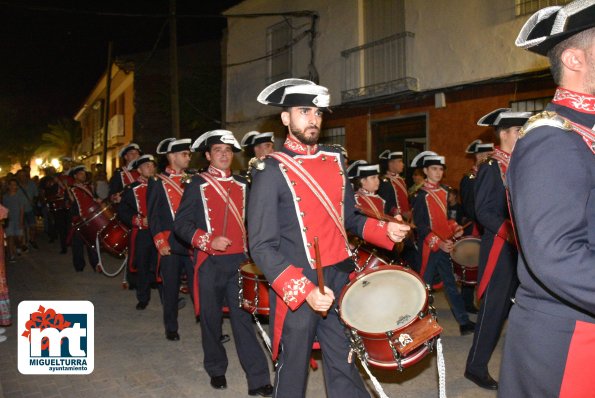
(377, 345)
(114, 238)
(96, 218)
(467, 273)
(253, 285)
(366, 257)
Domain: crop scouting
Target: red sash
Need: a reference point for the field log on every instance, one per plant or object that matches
(501, 237)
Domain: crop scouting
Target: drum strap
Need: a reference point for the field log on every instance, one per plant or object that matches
(499, 239)
(401, 188)
(227, 200)
(311, 183)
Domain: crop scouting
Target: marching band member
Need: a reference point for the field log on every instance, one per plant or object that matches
(260, 143)
(549, 345)
(164, 194)
(81, 196)
(435, 233)
(211, 218)
(302, 193)
(394, 189)
(480, 151)
(366, 181)
(497, 254)
(123, 176)
(133, 211)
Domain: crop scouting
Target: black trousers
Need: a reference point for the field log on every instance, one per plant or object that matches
(495, 305)
(78, 253)
(218, 281)
(301, 327)
(62, 224)
(171, 268)
(145, 262)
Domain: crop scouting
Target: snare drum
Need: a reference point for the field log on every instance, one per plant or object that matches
(254, 289)
(366, 257)
(465, 258)
(386, 310)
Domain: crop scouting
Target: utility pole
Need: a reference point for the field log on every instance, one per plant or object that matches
(173, 70)
(106, 106)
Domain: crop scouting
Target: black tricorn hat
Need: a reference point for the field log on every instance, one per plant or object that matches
(295, 92)
(142, 160)
(204, 142)
(551, 25)
(254, 138)
(504, 118)
(479, 146)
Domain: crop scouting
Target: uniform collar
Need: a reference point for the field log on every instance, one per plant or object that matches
(580, 102)
(171, 172)
(365, 192)
(219, 173)
(142, 180)
(299, 148)
(429, 185)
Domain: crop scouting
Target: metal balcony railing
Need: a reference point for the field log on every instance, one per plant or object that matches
(378, 68)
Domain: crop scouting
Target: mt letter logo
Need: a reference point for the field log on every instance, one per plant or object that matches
(56, 337)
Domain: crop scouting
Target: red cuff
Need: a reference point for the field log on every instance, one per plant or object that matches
(432, 241)
(137, 221)
(375, 232)
(161, 239)
(293, 287)
(202, 240)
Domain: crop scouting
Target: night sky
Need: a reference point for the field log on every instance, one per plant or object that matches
(54, 51)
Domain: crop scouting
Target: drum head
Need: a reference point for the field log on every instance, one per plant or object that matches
(383, 300)
(250, 268)
(466, 252)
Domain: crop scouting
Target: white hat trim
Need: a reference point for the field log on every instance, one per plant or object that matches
(262, 97)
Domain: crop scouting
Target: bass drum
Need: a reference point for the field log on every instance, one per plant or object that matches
(465, 258)
(114, 238)
(94, 219)
(386, 310)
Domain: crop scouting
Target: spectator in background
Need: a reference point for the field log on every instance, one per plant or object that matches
(14, 202)
(100, 185)
(5, 319)
(418, 180)
(455, 210)
(28, 189)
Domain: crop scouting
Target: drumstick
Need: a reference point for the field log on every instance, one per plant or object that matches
(226, 213)
(319, 270)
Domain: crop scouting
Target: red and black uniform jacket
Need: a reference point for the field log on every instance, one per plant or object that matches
(394, 191)
(370, 203)
(132, 211)
(205, 213)
(491, 210)
(430, 217)
(285, 215)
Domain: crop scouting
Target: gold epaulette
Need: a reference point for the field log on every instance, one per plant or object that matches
(545, 118)
(255, 163)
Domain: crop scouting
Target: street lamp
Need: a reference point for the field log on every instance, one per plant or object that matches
(38, 161)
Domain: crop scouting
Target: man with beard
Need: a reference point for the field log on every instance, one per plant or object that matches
(301, 196)
(163, 200)
(497, 280)
(549, 345)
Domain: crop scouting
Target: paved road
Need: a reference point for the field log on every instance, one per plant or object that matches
(133, 358)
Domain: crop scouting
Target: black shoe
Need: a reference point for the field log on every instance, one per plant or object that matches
(219, 382)
(141, 305)
(264, 391)
(224, 338)
(467, 328)
(173, 336)
(181, 303)
(484, 382)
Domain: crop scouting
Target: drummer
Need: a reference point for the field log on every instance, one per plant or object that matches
(123, 176)
(366, 182)
(82, 198)
(498, 252)
(142, 255)
(163, 199)
(436, 233)
(217, 233)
